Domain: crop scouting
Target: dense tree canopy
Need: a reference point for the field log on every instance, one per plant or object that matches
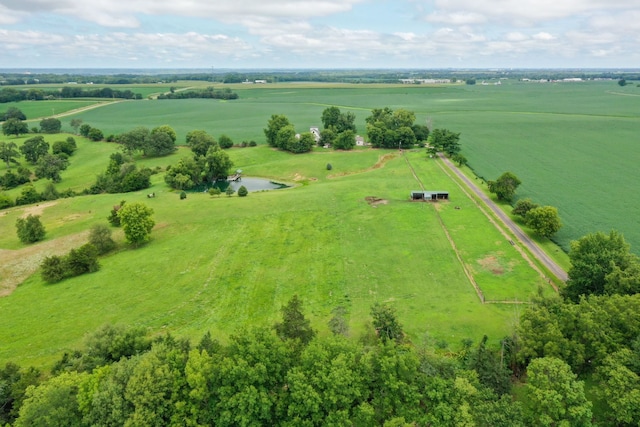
(445, 140)
(50, 125)
(15, 127)
(600, 262)
(505, 186)
(9, 153)
(30, 229)
(393, 129)
(544, 220)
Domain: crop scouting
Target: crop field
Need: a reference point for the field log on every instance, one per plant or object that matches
(571, 144)
(235, 261)
(37, 110)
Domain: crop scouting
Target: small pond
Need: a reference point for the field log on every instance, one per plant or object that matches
(251, 184)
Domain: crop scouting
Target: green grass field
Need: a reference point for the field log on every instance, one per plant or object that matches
(570, 143)
(224, 263)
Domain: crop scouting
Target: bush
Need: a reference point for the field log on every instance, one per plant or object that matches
(113, 217)
(82, 260)
(28, 195)
(30, 229)
(225, 142)
(329, 167)
(252, 143)
(214, 191)
(242, 191)
(183, 195)
(5, 201)
(230, 191)
(53, 269)
(100, 237)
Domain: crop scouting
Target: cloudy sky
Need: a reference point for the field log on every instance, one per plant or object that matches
(319, 33)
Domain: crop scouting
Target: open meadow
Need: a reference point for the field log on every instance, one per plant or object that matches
(346, 237)
(223, 263)
(573, 145)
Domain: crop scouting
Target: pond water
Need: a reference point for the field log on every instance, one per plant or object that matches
(251, 184)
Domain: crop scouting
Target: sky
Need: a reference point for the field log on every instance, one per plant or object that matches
(347, 34)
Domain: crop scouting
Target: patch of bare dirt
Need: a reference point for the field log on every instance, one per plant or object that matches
(37, 209)
(492, 264)
(375, 201)
(17, 265)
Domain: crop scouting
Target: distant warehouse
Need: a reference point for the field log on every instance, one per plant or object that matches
(430, 195)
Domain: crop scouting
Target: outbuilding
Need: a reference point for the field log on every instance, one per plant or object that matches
(430, 195)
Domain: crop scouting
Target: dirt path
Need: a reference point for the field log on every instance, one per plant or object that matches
(17, 265)
(520, 235)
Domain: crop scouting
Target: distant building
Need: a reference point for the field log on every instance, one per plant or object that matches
(430, 195)
(315, 132)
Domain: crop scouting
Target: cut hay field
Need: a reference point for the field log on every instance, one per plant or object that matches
(574, 145)
(222, 263)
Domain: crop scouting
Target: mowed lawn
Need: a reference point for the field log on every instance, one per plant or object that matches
(223, 263)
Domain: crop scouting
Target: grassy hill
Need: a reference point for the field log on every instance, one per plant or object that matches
(222, 263)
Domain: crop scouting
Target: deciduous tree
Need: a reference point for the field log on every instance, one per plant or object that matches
(30, 229)
(137, 222)
(34, 148)
(276, 122)
(14, 127)
(9, 153)
(544, 220)
(50, 125)
(505, 186)
(50, 165)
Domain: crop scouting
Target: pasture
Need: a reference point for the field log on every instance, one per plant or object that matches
(223, 263)
(572, 144)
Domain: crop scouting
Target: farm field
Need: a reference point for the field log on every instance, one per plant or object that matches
(570, 143)
(235, 261)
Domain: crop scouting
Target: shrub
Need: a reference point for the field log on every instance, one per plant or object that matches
(113, 217)
(329, 167)
(252, 143)
(30, 229)
(50, 192)
(230, 191)
(5, 201)
(214, 191)
(53, 269)
(242, 191)
(100, 237)
(225, 142)
(28, 195)
(82, 260)
(183, 195)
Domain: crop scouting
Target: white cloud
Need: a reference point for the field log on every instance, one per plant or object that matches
(543, 36)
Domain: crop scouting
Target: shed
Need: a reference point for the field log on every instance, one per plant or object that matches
(430, 195)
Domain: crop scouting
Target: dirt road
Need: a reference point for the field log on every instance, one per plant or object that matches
(520, 235)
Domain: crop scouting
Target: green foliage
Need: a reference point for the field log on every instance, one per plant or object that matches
(345, 140)
(593, 258)
(334, 119)
(121, 177)
(100, 238)
(544, 220)
(200, 142)
(14, 382)
(84, 129)
(50, 125)
(34, 148)
(275, 124)
(225, 141)
(619, 386)
(67, 147)
(166, 129)
(137, 222)
(389, 129)
(217, 164)
(28, 195)
(186, 174)
(386, 323)
(459, 159)
(159, 143)
(303, 144)
(30, 229)
(50, 165)
(329, 167)
(53, 402)
(229, 191)
(446, 141)
(9, 153)
(12, 113)
(95, 134)
(505, 186)
(183, 195)
(15, 127)
(53, 269)
(242, 191)
(338, 323)
(294, 325)
(554, 396)
(523, 206)
(214, 191)
(113, 217)
(6, 201)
